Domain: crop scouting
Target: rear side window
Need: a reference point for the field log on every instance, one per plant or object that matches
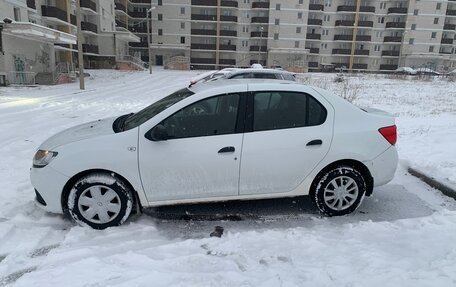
(265, 76)
(283, 110)
(289, 77)
(241, 76)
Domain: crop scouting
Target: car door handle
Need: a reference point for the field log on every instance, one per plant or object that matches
(314, 142)
(227, 149)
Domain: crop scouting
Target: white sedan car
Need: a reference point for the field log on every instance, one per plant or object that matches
(218, 141)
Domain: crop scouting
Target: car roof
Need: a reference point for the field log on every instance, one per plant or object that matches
(242, 84)
(260, 71)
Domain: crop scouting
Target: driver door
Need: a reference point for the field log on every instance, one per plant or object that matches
(200, 158)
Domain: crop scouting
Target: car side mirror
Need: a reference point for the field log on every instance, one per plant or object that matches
(158, 133)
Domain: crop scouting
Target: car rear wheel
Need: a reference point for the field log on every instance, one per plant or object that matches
(339, 191)
(100, 200)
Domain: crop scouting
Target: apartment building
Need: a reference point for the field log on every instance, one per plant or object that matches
(371, 35)
(104, 45)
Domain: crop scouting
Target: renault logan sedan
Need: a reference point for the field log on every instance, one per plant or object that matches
(219, 141)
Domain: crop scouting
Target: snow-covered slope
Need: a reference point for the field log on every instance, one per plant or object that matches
(404, 235)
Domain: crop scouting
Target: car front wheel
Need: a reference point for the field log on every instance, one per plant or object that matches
(339, 191)
(100, 200)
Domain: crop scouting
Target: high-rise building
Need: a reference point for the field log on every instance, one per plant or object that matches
(367, 35)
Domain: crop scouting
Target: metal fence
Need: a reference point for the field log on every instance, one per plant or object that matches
(21, 78)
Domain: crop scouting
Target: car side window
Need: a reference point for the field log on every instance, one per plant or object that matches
(241, 76)
(283, 110)
(265, 76)
(208, 117)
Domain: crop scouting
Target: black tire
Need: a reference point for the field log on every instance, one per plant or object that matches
(341, 175)
(109, 185)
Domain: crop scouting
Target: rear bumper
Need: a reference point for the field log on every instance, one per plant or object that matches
(48, 184)
(384, 166)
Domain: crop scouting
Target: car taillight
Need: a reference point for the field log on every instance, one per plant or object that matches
(389, 133)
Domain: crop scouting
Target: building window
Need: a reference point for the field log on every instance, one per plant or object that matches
(182, 25)
(182, 40)
(160, 32)
(411, 41)
(413, 26)
(276, 36)
(17, 14)
(277, 6)
(433, 35)
(301, 1)
(182, 10)
(299, 15)
(298, 30)
(431, 49)
(328, 3)
(160, 17)
(326, 18)
(439, 5)
(277, 21)
(377, 48)
(436, 20)
(415, 12)
(296, 44)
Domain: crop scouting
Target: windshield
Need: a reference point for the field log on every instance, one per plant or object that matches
(149, 112)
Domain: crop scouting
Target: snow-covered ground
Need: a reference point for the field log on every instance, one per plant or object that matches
(401, 236)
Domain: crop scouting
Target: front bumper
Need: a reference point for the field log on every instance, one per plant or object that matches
(49, 184)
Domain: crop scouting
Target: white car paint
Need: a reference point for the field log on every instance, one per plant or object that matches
(266, 164)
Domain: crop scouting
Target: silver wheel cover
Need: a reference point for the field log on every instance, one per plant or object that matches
(341, 193)
(99, 204)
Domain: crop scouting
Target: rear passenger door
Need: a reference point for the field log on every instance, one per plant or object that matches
(288, 134)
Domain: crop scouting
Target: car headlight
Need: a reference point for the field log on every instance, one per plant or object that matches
(43, 158)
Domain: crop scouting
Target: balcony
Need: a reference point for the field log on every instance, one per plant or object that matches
(228, 33)
(395, 39)
(204, 2)
(367, 9)
(390, 53)
(447, 41)
(120, 24)
(88, 48)
(203, 17)
(258, 34)
(313, 64)
(317, 22)
(257, 48)
(387, 67)
(365, 24)
(363, 38)
(260, 5)
(231, 62)
(396, 25)
(316, 7)
(228, 18)
(451, 12)
(54, 12)
(362, 52)
(357, 66)
(121, 7)
(87, 26)
(451, 27)
(260, 19)
(140, 1)
(229, 3)
(31, 4)
(203, 32)
(203, 46)
(202, 60)
(343, 37)
(345, 23)
(341, 51)
(228, 47)
(397, 10)
(138, 45)
(346, 8)
(310, 36)
(314, 50)
(89, 4)
(137, 14)
(138, 29)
